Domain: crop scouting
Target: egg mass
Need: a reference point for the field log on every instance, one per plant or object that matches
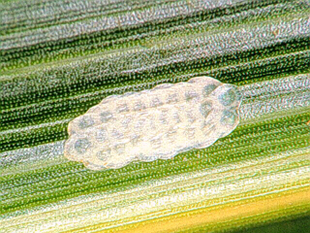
(153, 124)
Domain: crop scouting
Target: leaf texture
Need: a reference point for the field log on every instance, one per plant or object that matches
(59, 58)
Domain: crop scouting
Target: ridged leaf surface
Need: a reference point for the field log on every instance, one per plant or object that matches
(59, 58)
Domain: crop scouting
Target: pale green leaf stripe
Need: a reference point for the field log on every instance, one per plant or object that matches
(272, 96)
(151, 14)
(26, 159)
(46, 12)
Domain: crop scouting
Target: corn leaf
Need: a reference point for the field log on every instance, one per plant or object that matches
(59, 58)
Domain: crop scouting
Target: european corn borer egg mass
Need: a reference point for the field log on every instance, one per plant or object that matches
(153, 124)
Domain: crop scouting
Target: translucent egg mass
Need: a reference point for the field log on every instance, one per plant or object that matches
(153, 124)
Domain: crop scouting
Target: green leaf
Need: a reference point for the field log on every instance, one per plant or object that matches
(59, 58)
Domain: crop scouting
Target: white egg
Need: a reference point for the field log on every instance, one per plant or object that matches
(153, 124)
